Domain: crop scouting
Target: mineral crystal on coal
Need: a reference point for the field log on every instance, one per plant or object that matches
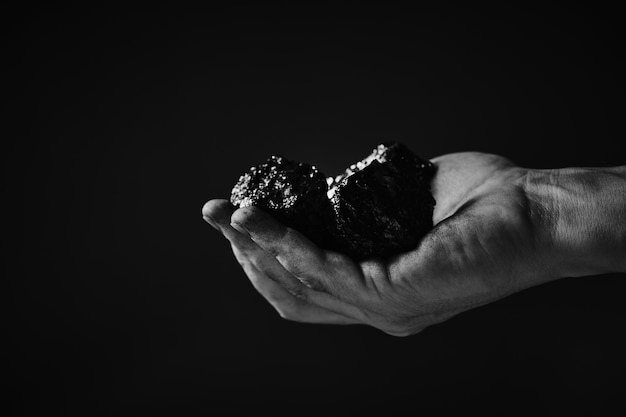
(295, 193)
(383, 204)
(379, 206)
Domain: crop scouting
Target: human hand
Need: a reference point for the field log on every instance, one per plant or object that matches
(491, 238)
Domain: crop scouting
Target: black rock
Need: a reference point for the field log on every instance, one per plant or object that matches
(383, 203)
(295, 193)
(379, 206)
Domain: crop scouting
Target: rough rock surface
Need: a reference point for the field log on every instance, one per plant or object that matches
(383, 203)
(295, 193)
(379, 206)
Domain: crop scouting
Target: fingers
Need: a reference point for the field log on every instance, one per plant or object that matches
(321, 275)
(295, 252)
(289, 296)
(333, 281)
(251, 229)
(218, 214)
(304, 283)
(286, 304)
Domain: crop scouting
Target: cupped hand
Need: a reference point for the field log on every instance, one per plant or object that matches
(488, 242)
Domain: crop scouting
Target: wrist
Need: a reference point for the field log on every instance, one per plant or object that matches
(581, 213)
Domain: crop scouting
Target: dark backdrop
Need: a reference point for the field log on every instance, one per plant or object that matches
(122, 300)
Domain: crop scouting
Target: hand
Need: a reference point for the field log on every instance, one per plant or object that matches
(491, 238)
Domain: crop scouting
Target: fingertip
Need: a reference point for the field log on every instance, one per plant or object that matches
(211, 206)
(218, 211)
(253, 219)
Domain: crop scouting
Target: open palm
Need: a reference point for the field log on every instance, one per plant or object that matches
(484, 246)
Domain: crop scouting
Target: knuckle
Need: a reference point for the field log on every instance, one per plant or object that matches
(337, 260)
(313, 284)
(376, 276)
(301, 293)
(274, 249)
(288, 234)
(283, 242)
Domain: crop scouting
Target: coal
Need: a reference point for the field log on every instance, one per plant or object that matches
(293, 192)
(382, 204)
(378, 207)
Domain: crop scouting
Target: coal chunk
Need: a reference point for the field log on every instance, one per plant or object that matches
(379, 206)
(293, 192)
(382, 204)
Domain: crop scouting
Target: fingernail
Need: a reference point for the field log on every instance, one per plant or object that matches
(240, 229)
(210, 221)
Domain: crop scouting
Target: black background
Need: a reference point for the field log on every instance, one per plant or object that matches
(122, 123)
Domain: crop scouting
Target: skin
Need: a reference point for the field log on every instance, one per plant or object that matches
(499, 229)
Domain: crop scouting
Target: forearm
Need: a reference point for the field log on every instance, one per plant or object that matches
(583, 215)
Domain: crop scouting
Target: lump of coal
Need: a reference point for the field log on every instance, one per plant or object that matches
(295, 193)
(383, 204)
(378, 207)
